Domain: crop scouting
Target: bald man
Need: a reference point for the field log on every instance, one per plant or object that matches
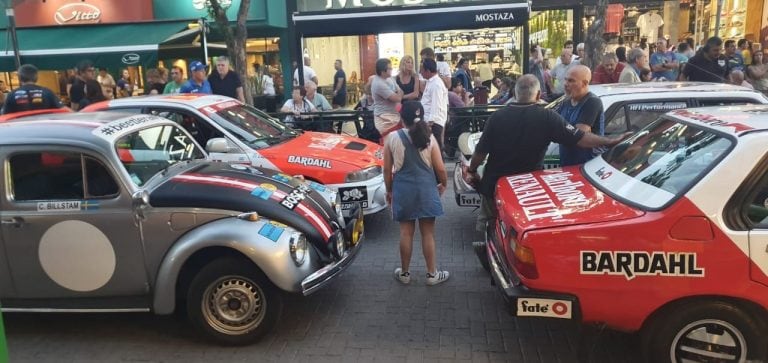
(583, 110)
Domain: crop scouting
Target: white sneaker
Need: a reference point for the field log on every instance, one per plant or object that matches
(437, 277)
(403, 277)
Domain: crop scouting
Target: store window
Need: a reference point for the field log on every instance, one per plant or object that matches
(498, 47)
(550, 29)
(263, 55)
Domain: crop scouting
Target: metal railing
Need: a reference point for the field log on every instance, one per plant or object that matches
(460, 120)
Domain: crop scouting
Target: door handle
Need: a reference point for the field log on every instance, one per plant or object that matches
(15, 222)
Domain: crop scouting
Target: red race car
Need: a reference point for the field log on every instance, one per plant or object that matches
(238, 133)
(666, 233)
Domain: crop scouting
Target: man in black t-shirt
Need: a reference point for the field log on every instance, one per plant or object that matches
(709, 64)
(85, 72)
(339, 86)
(225, 82)
(515, 139)
(30, 96)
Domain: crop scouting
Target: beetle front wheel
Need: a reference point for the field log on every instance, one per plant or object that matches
(232, 302)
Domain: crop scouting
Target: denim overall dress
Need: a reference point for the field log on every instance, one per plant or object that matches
(414, 192)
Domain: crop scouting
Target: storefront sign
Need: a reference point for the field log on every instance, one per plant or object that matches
(130, 58)
(76, 12)
(318, 5)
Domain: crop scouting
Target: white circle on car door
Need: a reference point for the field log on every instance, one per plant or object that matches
(77, 256)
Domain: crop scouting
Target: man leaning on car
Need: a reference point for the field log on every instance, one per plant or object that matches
(30, 96)
(515, 139)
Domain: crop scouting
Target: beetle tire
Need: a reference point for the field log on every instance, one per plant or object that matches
(249, 305)
(730, 329)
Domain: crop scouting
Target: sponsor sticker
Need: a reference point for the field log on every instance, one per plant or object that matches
(657, 106)
(325, 143)
(271, 231)
(262, 193)
(284, 178)
(469, 200)
(296, 196)
(538, 202)
(307, 161)
(631, 264)
(317, 186)
(67, 206)
(113, 129)
(549, 308)
(352, 196)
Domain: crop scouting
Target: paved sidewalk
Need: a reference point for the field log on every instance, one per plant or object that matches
(365, 316)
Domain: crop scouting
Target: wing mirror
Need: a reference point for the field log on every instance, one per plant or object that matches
(140, 198)
(217, 145)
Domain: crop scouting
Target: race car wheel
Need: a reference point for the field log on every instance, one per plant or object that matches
(232, 302)
(713, 331)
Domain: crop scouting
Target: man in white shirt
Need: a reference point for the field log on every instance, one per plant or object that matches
(309, 73)
(434, 100)
(558, 73)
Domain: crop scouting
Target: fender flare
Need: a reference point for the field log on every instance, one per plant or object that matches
(272, 257)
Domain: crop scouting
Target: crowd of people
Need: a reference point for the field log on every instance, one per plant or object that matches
(84, 85)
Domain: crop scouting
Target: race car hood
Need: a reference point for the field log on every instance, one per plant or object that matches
(240, 188)
(330, 151)
(556, 197)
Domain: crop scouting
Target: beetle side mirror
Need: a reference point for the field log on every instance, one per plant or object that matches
(140, 199)
(217, 145)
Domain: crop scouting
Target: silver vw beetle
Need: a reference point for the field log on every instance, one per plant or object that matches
(108, 212)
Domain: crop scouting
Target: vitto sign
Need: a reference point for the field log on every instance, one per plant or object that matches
(130, 58)
(77, 13)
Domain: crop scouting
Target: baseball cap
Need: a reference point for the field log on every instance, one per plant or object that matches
(196, 66)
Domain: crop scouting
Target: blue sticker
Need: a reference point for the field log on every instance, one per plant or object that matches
(262, 193)
(282, 178)
(319, 187)
(89, 205)
(271, 231)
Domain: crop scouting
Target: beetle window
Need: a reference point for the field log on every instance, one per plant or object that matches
(46, 176)
(101, 184)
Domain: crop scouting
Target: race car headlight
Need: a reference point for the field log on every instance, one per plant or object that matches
(298, 247)
(337, 204)
(365, 174)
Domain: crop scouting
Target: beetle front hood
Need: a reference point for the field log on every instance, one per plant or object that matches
(242, 188)
(328, 151)
(556, 197)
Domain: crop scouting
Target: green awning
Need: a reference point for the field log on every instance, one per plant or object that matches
(112, 46)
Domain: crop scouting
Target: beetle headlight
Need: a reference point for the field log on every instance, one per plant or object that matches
(298, 247)
(365, 174)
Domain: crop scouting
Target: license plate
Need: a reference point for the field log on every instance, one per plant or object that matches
(469, 200)
(351, 196)
(548, 308)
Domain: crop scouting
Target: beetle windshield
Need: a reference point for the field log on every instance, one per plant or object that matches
(659, 163)
(146, 152)
(251, 126)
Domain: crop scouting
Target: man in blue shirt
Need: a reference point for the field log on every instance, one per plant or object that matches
(664, 64)
(197, 82)
(582, 110)
(735, 60)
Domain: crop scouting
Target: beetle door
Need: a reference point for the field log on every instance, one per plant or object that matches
(69, 228)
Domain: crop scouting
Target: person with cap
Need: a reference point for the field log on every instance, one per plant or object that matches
(197, 82)
(412, 160)
(30, 96)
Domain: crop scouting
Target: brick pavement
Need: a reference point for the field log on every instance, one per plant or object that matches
(365, 316)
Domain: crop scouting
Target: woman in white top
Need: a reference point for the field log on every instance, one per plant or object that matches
(297, 106)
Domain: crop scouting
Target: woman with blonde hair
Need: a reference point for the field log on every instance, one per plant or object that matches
(407, 79)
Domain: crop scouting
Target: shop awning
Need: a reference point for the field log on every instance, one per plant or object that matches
(112, 46)
(412, 19)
